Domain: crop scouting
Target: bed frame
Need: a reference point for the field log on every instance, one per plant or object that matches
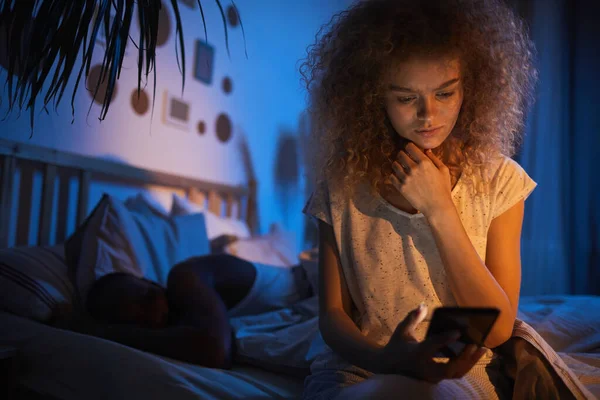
(231, 201)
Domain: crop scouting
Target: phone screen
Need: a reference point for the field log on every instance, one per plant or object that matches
(474, 323)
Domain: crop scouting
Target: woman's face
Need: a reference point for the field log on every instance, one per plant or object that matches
(423, 99)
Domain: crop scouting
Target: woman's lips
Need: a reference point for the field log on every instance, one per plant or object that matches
(429, 133)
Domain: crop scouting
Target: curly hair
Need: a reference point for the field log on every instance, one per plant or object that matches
(352, 138)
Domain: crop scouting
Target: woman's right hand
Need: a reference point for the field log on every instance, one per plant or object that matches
(405, 355)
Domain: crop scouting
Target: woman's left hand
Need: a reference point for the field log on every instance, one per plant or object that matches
(422, 179)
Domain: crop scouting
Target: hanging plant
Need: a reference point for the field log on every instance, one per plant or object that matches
(44, 36)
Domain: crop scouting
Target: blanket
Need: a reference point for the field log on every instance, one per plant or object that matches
(554, 351)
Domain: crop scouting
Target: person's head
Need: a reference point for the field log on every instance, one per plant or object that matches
(121, 298)
(424, 93)
(385, 69)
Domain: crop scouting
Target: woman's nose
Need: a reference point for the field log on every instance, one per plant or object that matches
(425, 110)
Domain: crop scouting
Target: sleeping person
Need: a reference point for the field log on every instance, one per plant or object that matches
(189, 319)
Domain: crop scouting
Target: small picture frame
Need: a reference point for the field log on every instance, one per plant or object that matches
(176, 111)
(204, 56)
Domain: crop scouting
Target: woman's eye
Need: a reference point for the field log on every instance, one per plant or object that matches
(405, 100)
(445, 95)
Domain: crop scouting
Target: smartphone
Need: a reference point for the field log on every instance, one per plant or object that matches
(473, 323)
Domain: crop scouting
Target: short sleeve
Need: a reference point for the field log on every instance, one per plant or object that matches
(509, 185)
(319, 204)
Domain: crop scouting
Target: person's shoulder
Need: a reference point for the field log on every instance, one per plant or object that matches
(502, 167)
(509, 183)
(497, 173)
(331, 188)
(326, 200)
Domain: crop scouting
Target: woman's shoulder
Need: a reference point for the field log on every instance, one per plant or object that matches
(339, 190)
(327, 198)
(507, 183)
(502, 168)
(497, 173)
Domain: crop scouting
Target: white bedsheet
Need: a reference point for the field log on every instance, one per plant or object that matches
(571, 326)
(68, 365)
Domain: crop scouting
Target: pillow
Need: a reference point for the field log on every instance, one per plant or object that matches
(276, 248)
(215, 226)
(144, 202)
(34, 282)
(142, 243)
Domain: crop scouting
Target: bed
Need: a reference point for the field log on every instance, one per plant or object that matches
(275, 347)
(44, 185)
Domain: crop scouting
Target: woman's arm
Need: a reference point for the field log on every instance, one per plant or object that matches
(403, 353)
(425, 182)
(335, 305)
(476, 283)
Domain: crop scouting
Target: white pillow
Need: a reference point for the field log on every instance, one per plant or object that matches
(34, 282)
(215, 226)
(277, 248)
(142, 243)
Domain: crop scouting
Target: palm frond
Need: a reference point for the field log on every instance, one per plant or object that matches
(44, 36)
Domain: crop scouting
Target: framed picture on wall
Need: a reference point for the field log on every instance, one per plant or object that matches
(176, 111)
(204, 56)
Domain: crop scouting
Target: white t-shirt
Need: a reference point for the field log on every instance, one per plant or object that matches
(389, 257)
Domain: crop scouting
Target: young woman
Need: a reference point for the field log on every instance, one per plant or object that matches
(416, 107)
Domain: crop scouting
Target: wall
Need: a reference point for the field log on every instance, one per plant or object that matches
(264, 105)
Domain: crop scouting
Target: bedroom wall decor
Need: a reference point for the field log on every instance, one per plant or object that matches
(223, 128)
(96, 81)
(164, 27)
(227, 85)
(232, 16)
(201, 127)
(204, 58)
(140, 103)
(176, 111)
(265, 97)
(68, 30)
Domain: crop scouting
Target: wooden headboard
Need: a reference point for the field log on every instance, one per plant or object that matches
(220, 199)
